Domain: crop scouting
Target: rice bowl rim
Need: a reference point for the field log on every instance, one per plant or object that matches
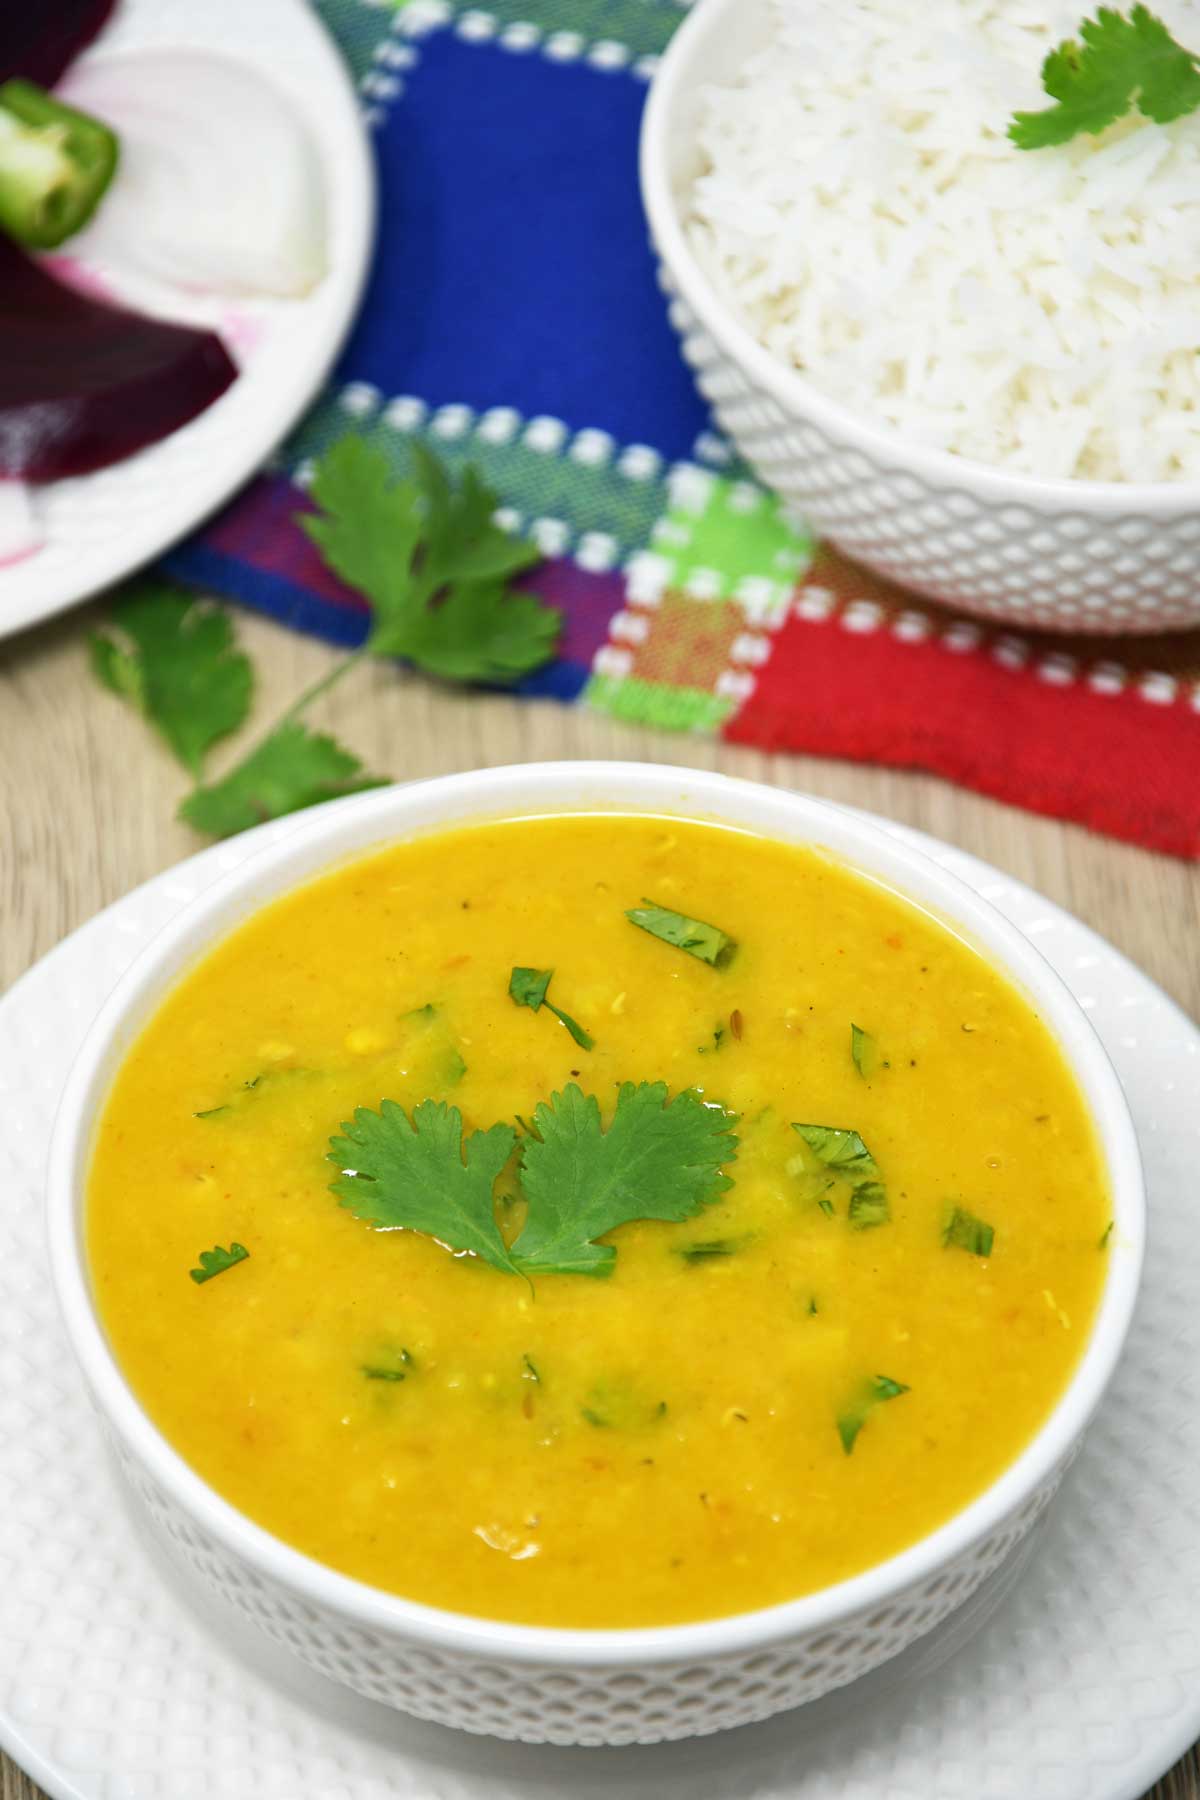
(674, 82)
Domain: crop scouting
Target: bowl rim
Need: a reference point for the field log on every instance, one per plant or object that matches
(350, 828)
(800, 399)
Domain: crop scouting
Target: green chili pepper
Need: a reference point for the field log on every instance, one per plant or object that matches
(55, 163)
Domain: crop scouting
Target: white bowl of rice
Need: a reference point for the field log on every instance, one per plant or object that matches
(973, 368)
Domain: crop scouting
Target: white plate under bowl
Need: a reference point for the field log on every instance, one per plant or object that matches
(97, 528)
(116, 1683)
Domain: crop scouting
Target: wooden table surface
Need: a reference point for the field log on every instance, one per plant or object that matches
(87, 798)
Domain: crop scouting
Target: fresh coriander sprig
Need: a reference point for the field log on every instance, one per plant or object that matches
(436, 571)
(659, 1158)
(1120, 62)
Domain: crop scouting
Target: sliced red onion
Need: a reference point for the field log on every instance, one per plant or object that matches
(83, 384)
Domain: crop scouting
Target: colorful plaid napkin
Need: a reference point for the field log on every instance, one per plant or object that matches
(513, 320)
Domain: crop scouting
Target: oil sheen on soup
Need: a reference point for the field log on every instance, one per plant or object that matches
(596, 1220)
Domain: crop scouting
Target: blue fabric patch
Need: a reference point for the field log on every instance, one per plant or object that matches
(513, 267)
(197, 564)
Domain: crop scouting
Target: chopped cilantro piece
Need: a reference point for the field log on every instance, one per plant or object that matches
(425, 1030)
(708, 1248)
(390, 1365)
(1121, 62)
(706, 942)
(964, 1231)
(530, 1371)
(839, 1149)
(595, 1418)
(216, 1261)
(869, 1205)
(864, 1052)
(1106, 1235)
(826, 1207)
(851, 1421)
(528, 988)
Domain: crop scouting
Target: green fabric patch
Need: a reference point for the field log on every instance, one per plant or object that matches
(724, 539)
(358, 30)
(593, 497)
(644, 27)
(638, 702)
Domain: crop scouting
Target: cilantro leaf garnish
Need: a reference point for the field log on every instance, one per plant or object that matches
(864, 1052)
(1106, 1235)
(839, 1149)
(658, 1159)
(291, 769)
(845, 1156)
(528, 988)
(963, 1231)
(1121, 62)
(707, 942)
(869, 1205)
(217, 1260)
(419, 1175)
(433, 565)
(851, 1421)
(709, 1249)
(173, 658)
(395, 1365)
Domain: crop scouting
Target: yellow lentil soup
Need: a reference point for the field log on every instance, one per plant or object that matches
(775, 1228)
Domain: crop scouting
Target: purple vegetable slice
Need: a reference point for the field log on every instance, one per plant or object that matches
(39, 38)
(84, 384)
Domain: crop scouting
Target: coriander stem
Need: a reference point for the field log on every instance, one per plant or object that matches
(321, 686)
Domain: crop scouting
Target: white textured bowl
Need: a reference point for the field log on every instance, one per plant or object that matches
(1089, 556)
(581, 1687)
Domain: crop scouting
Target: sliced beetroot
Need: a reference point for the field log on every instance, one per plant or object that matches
(38, 38)
(83, 384)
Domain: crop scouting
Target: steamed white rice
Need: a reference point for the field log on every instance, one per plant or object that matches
(864, 213)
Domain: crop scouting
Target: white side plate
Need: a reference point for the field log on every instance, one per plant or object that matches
(1084, 1683)
(95, 529)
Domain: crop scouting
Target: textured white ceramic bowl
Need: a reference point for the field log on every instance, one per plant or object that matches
(1091, 556)
(581, 1687)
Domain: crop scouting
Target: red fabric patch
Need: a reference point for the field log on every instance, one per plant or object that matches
(1117, 762)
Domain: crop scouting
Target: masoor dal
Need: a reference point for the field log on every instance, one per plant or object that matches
(759, 1400)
